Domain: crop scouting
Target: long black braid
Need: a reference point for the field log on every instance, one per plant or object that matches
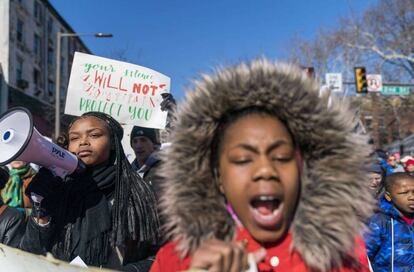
(134, 209)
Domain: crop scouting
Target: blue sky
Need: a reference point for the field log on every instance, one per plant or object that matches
(183, 38)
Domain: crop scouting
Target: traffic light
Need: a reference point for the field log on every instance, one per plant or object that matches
(361, 80)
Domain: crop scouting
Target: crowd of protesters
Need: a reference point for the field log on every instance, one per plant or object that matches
(389, 242)
(262, 173)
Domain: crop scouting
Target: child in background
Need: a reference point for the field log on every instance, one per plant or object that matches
(259, 139)
(106, 216)
(409, 167)
(389, 241)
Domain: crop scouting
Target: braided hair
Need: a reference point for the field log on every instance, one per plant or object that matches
(134, 209)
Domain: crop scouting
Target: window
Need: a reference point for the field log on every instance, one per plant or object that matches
(50, 87)
(36, 78)
(62, 64)
(19, 30)
(37, 12)
(50, 26)
(19, 69)
(50, 56)
(36, 45)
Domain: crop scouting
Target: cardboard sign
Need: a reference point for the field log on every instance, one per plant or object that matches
(129, 93)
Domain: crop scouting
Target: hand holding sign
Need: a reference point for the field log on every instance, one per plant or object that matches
(168, 102)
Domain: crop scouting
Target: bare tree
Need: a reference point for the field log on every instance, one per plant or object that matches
(382, 39)
(385, 34)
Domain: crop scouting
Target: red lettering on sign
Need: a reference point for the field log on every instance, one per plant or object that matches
(136, 88)
(120, 85)
(99, 78)
(109, 82)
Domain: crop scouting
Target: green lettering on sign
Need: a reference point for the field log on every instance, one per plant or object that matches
(395, 90)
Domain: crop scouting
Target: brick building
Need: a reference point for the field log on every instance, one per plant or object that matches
(387, 118)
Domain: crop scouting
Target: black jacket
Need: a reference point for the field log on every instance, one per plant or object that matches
(11, 227)
(81, 212)
(149, 172)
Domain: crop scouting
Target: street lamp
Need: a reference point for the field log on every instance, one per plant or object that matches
(59, 36)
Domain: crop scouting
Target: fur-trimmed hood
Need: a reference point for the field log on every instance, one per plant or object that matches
(335, 199)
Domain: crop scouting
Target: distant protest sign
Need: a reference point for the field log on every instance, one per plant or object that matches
(129, 93)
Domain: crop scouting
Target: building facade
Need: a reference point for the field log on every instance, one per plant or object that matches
(388, 119)
(28, 36)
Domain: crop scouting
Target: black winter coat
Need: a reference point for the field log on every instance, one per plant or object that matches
(80, 211)
(11, 227)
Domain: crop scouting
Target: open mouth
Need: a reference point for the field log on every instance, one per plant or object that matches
(266, 210)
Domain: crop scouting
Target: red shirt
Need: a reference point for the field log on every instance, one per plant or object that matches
(168, 260)
(409, 221)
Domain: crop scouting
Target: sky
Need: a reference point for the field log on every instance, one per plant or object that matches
(184, 38)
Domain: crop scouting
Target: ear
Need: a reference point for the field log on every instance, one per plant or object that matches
(387, 196)
(220, 185)
(217, 180)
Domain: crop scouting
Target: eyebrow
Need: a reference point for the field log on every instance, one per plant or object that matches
(273, 146)
(88, 131)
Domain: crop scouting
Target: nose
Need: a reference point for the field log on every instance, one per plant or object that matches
(265, 170)
(83, 141)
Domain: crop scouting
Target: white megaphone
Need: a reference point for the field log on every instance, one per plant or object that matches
(21, 141)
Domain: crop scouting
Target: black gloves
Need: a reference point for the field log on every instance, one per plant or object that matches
(4, 177)
(45, 192)
(168, 102)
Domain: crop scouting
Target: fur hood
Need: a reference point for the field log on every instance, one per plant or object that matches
(335, 199)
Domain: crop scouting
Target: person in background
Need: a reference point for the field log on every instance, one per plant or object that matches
(375, 176)
(13, 194)
(405, 159)
(393, 161)
(145, 144)
(12, 222)
(409, 167)
(390, 165)
(389, 241)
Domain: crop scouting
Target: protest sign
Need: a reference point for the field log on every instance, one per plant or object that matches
(12, 259)
(129, 93)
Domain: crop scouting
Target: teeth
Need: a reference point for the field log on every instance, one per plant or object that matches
(266, 198)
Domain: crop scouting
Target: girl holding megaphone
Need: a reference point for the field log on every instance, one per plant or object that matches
(106, 215)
